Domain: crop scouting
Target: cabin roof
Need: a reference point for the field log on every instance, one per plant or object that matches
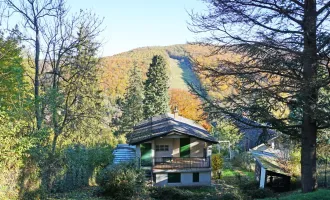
(165, 124)
(251, 131)
(270, 163)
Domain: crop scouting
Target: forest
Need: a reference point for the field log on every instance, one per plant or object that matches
(64, 108)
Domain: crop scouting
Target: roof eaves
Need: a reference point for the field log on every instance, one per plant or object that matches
(212, 140)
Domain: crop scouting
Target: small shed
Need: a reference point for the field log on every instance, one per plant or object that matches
(270, 172)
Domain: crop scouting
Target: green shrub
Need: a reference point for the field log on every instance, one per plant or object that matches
(216, 164)
(243, 161)
(71, 168)
(259, 193)
(250, 185)
(75, 167)
(295, 162)
(122, 181)
(167, 193)
(251, 189)
(234, 195)
(227, 165)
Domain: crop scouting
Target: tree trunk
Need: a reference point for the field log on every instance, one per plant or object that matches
(36, 76)
(54, 143)
(308, 155)
(309, 97)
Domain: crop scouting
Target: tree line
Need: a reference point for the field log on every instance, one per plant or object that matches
(51, 104)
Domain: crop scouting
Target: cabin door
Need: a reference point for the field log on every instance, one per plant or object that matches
(184, 147)
(146, 159)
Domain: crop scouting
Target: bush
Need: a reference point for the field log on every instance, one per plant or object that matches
(250, 185)
(167, 193)
(78, 165)
(122, 181)
(216, 163)
(243, 161)
(252, 190)
(295, 162)
(259, 193)
(235, 195)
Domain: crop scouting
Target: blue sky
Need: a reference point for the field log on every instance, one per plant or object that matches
(138, 23)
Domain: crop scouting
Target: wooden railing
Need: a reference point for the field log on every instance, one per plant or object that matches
(181, 163)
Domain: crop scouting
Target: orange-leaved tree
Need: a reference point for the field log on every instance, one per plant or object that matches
(189, 106)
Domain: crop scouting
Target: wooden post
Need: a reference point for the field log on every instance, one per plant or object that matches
(325, 172)
(262, 177)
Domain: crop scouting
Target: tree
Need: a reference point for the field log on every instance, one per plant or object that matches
(132, 107)
(282, 61)
(16, 121)
(36, 15)
(189, 106)
(67, 76)
(11, 73)
(156, 88)
(227, 131)
(11, 99)
(72, 83)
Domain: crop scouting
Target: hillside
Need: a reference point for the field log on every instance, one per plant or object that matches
(116, 68)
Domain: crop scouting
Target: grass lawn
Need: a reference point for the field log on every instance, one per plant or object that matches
(234, 172)
(228, 172)
(321, 194)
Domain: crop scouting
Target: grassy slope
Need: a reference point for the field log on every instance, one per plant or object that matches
(176, 75)
(233, 172)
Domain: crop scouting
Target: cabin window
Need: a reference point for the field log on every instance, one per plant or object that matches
(162, 147)
(195, 177)
(174, 177)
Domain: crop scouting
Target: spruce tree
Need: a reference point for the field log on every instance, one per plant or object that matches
(156, 88)
(133, 104)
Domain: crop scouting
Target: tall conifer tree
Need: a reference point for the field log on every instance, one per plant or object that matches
(156, 88)
(133, 105)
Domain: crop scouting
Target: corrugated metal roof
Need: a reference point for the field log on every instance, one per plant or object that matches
(123, 153)
(251, 131)
(164, 124)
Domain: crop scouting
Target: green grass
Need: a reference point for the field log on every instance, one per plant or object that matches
(321, 194)
(248, 174)
(234, 172)
(176, 75)
(180, 72)
(228, 172)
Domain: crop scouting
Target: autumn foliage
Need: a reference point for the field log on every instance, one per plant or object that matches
(189, 106)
